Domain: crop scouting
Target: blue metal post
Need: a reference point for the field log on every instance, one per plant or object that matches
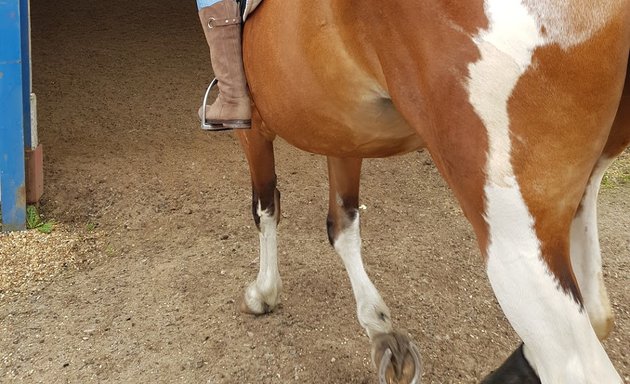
(12, 88)
(25, 45)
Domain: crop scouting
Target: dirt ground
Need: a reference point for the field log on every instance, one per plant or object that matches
(164, 242)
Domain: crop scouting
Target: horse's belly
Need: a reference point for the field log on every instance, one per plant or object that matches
(371, 129)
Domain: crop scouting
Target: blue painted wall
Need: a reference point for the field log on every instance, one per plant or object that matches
(14, 110)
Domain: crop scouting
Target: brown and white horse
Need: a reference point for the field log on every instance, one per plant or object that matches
(518, 102)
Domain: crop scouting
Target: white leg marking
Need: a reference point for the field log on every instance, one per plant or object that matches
(372, 312)
(560, 343)
(586, 256)
(264, 294)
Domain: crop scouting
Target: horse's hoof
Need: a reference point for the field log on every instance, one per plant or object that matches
(397, 359)
(515, 369)
(255, 302)
(259, 308)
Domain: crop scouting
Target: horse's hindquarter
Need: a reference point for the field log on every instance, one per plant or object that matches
(312, 90)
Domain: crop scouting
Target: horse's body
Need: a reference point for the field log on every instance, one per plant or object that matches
(514, 100)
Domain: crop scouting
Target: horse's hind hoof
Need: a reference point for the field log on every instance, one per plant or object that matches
(397, 359)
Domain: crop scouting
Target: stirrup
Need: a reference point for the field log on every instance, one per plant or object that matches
(205, 125)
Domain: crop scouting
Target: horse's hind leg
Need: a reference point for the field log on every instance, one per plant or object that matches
(373, 314)
(263, 294)
(585, 253)
(586, 256)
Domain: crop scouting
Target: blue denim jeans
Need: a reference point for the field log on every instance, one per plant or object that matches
(206, 3)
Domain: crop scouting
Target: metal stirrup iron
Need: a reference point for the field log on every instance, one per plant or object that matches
(205, 125)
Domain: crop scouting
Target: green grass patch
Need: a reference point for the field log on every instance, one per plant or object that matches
(34, 220)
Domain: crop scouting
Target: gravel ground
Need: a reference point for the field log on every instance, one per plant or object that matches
(31, 257)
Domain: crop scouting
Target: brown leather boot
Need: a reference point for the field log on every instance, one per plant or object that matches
(221, 24)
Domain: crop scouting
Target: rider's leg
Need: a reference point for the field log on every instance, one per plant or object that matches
(221, 22)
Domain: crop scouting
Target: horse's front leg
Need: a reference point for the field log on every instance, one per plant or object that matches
(263, 294)
(393, 352)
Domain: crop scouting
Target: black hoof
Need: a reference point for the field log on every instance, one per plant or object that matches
(515, 370)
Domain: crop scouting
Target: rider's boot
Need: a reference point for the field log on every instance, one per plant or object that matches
(221, 24)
